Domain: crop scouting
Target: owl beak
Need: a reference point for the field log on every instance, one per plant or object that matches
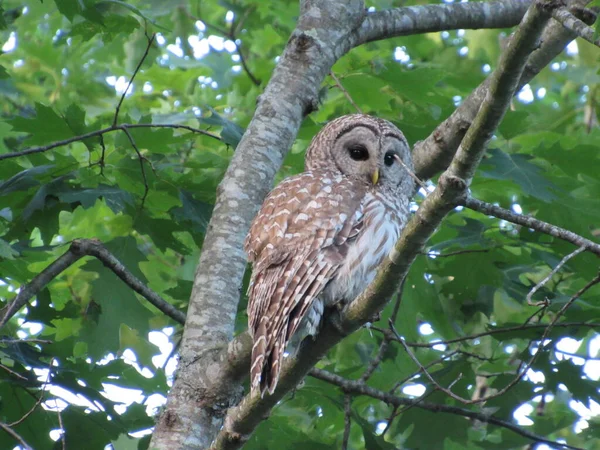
(375, 176)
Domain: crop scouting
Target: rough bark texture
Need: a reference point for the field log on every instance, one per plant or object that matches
(452, 189)
(423, 19)
(195, 406)
(207, 382)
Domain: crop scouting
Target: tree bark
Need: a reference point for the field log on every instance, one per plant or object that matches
(207, 381)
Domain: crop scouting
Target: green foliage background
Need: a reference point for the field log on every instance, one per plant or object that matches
(55, 84)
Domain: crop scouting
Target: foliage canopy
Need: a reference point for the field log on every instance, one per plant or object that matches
(146, 192)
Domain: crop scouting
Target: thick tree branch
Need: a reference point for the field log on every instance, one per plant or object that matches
(530, 222)
(451, 190)
(78, 249)
(577, 26)
(361, 388)
(503, 84)
(198, 400)
(435, 153)
(429, 18)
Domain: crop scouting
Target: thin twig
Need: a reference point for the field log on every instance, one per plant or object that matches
(427, 366)
(412, 174)
(13, 373)
(78, 249)
(521, 371)
(135, 72)
(462, 252)
(374, 363)
(347, 421)
(38, 401)
(345, 92)
(577, 26)
(361, 388)
(122, 127)
(550, 275)
(15, 435)
(530, 222)
(487, 333)
(62, 429)
(141, 161)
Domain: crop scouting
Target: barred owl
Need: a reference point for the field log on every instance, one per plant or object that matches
(320, 235)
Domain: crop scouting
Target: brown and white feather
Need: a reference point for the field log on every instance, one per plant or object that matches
(317, 240)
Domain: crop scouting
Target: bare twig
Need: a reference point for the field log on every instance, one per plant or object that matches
(135, 72)
(122, 127)
(521, 371)
(374, 363)
(461, 252)
(78, 249)
(411, 173)
(530, 222)
(62, 429)
(347, 421)
(13, 373)
(16, 436)
(141, 161)
(345, 92)
(425, 367)
(495, 331)
(38, 401)
(361, 388)
(549, 276)
(577, 26)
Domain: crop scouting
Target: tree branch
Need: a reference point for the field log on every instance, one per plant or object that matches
(435, 153)
(361, 388)
(321, 37)
(16, 436)
(548, 277)
(391, 336)
(530, 222)
(575, 25)
(78, 249)
(503, 85)
(243, 419)
(123, 127)
(430, 18)
(135, 72)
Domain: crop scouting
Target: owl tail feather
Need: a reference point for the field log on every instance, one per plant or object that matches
(266, 363)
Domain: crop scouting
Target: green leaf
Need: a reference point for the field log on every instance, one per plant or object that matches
(518, 169)
(6, 251)
(44, 128)
(23, 180)
(231, 133)
(116, 199)
(144, 350)
(117, 304)
(514, 123)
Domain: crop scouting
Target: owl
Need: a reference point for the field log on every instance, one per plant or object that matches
(319, 236)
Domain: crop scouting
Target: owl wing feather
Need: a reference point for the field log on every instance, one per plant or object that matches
(296, 243)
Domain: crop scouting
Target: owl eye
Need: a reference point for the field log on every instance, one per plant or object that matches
(389, 158)
(358, 152)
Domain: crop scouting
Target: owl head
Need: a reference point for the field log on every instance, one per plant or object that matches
(363, 147)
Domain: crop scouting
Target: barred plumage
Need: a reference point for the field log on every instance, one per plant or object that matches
(320, 235)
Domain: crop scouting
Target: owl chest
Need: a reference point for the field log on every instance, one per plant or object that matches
(380, 232)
